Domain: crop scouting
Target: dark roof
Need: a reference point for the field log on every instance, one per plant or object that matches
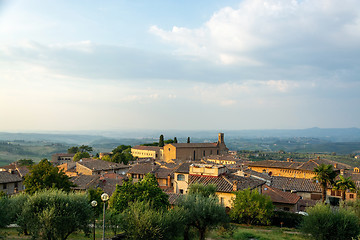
(23, 170)
(98, 165)
(183, 167)
(226, 183)
(298, 184)
(309, 165)
(6, 177)
(279, 196)
(163, 172)
(84, 182)
(264, 176)
(228, 157)
(193, 145)
(143, 168)
(149, 148)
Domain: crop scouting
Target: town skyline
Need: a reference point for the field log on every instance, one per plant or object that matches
(69, 66)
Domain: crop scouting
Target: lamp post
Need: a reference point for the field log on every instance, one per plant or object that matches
(104, 198)
(94, 204)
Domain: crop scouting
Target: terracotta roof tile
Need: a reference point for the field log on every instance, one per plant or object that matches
(97, 165)
(279, 196)
(298, 184)
(193, 145)
(6, 177)
(143, 168)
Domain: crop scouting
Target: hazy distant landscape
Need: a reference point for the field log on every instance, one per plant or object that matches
(14, 146)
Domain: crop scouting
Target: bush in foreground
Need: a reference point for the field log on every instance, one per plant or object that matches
(325, 223)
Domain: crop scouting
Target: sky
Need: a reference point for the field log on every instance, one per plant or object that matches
(182, 65)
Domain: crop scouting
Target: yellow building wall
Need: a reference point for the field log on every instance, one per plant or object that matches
(143, 153)
(80, 169)
(284, 172)
(181, 185)
(225, 198)
(169, 152)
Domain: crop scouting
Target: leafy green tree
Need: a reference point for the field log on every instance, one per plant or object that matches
(145, 190)
(325, 175)
(175, 140)
(85, 148)
(73, 150)
(188, 140)
(325, 223)
(54, 214)
(80, 155)
(45, 176)
(121, 148)
(95, 194)
(143, 222)
(16, 207)
(5, 218)
(168, 141)
(202, 213)
(344, 184)
(251, 207)
(25, 162)
(161, 141)
(107, 158)
(200, 189)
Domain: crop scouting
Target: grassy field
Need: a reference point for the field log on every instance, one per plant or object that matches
(237, 232)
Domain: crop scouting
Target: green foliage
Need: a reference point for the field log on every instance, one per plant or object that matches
(80, 155)
(155, 144)
(202, 213)
(288, 219)
(168, 141)
(352, 206)
(114, 221)
(5, 217)
(25, 162)
(145, 190)
(106, 158)
(161, 141)
(2, 194)
(16, 207)
(54, 214)
(142, 221)
(175, 140)
(325, 175)
(45, 176)
(251, 207)
(344, 184)
(73, 150)
(200, 189)
(325, 223)
(188, 140)
(85, 148)
(121, 148)
(95, 194)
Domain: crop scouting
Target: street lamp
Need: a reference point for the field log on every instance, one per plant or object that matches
(104, 198)
(94, 204)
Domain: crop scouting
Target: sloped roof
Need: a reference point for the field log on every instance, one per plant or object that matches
(143, 168)
(183, 167)
(149, 148)
(6, 177)
(23, 170)
(98, 165)
(193, 145)
(228, 157)
(298, 184)
(309, 165)
(264, 176)
(279, 196)
(163, 172)
(84, 182)
(225, 183)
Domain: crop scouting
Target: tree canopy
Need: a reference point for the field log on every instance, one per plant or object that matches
(200, 189)
(145, 190)
(161, 141)
(251, 207)
(45, 176)
(80, 155)
(325, 175)
(343, 184)
(25, 162)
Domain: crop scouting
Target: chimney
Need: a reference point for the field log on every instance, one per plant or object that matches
(169, 180)
(235, 187)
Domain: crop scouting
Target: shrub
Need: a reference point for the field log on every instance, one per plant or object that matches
(142, 221)
(324, 222)
(54, 214)
(289, 219)
(251, 207)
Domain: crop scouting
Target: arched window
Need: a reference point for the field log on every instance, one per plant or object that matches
(181, 177)
(204, 153)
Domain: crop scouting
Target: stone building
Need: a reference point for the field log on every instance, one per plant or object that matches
(194, 151)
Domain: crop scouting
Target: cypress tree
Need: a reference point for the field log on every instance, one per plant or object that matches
(188, 140)
(175, 140)
(161, 141)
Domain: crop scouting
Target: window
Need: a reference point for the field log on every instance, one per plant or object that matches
(181, 191)
(181, 177)
(286, 209)
(222, 201)
(351, 196)
(15, 185)
(204, 153)
(4, 186)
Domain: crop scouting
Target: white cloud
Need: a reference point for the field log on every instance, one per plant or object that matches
(261, 29)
